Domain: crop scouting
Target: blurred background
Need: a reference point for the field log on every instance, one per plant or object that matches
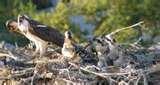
(87, 18)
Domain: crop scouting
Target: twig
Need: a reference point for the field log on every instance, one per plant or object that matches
(34, 74)
(104, 75)
(44, 61)
(145, 82)
(4, 78)
(88, 70)
(118, 30)
(137, 81)
(112, 80)
(8, 55)
(123, 83)
(68, 81)
(113, 74)
(67, 70)
(4, 54)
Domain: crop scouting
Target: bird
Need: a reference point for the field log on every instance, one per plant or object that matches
(77, 53)
(102, 49)
(117, 53)
(68, 50)
(113, 47)
(36, 32)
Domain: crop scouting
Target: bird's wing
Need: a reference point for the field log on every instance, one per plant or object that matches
(46, 33)
(86, 56)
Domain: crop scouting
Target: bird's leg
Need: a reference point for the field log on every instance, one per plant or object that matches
(43, 48)
(37, 50)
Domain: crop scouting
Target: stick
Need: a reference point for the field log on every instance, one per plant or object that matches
(145, 81)
(8, 55)
(34, 75)
(113, 74)
(118, 30)
(44, 60)
(137, 81)
(88, 70)
(4, 54)
(123, 83)
(99, 74)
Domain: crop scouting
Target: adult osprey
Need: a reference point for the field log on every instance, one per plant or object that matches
(36, 32)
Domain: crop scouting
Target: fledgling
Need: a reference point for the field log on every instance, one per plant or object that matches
(116, 53)
(113, 47)
(69, 48)
(103, 50)
(77, 53)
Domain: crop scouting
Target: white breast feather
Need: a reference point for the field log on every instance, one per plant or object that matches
(68, 51)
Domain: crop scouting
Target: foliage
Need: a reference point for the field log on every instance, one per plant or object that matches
(105, 15)
(109, 15)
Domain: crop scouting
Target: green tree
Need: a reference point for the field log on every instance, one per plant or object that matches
(109, 15)
(105, 15)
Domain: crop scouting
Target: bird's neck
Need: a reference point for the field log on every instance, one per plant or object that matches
(68, 41)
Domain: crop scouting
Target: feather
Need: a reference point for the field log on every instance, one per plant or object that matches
(42, 31)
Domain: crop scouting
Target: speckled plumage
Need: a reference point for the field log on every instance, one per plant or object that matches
(72, 50)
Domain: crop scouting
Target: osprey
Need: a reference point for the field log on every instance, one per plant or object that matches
(105, 47)
(77, 53)
(36, 32)
(113, 53)
(69, 48)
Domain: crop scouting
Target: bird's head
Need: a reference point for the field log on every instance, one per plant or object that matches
(99, 40)
(23, 23)
(12, 26)
(109, 39)
(68, 34)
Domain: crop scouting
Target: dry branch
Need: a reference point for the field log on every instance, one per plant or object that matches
(118, 30)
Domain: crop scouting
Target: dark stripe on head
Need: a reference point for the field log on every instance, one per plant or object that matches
(112, 41)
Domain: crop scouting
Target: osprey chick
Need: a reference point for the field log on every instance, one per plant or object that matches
(36, 32)
(75, 52)
(69, 49)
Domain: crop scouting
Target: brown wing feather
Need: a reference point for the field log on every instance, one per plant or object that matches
(47, 33)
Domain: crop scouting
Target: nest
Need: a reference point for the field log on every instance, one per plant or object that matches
(19, 67)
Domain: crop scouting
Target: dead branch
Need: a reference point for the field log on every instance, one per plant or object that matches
(118, 30)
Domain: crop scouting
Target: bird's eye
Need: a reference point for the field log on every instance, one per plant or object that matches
(9, 27)
(99, 41)
(20, 20)
(69, 33)
(114, 40)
